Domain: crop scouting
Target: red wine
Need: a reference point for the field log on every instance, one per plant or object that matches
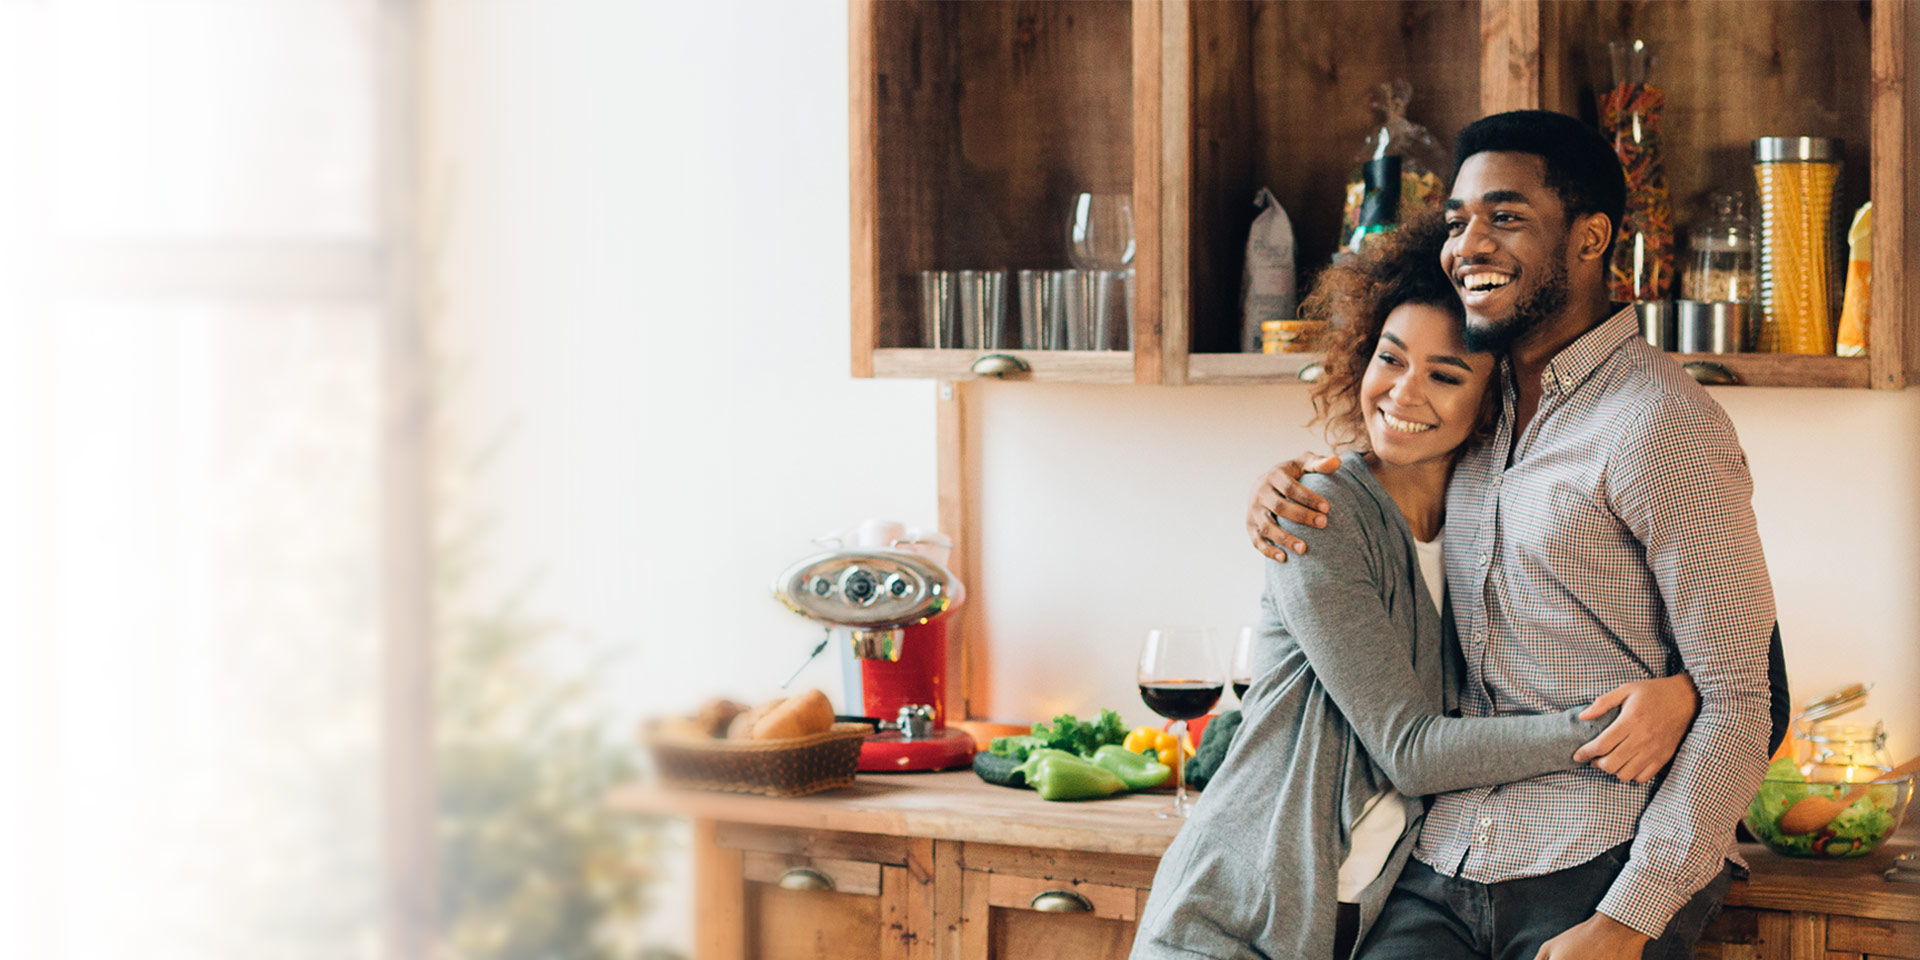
(1181, 699)
(1240, 688)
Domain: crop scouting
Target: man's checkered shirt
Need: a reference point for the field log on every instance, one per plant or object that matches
(1618, 545)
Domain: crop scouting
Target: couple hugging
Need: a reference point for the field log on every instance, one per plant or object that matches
(1536, 741)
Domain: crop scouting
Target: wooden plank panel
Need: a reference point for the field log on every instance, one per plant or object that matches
(1010, 892)
(809, 925)
(786, 841)
(1732, 70)
(847, 876)
(1063, 866)
(863, 151)
(965, 629)
(1786, 370)
(976, 916)
(949, 900)
(1879, 937)
(1220, 200)
(914, 87)
(1249, 368)
(1891, 332)
(1150, 201)
(907, 906)
(1315, 65)
(1059, 366)
(1058, 936)
(719, 900)
(1509, 55)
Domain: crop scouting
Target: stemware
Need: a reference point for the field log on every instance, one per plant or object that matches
(1101, 234)
(1181, 679)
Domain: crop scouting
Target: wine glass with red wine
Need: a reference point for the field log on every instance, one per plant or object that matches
(1181, 679)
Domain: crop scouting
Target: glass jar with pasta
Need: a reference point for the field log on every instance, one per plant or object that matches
(1798, 182)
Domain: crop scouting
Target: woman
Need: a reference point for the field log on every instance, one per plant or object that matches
(1344, 724)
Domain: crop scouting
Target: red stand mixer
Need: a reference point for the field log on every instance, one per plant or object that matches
(890, 606)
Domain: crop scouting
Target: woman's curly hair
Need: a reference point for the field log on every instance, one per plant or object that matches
(1354, 296)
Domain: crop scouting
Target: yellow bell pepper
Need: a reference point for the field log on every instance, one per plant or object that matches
(1162, 744)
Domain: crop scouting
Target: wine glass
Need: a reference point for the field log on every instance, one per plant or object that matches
(1180, 679)
(1240, 674)
(1101, 237)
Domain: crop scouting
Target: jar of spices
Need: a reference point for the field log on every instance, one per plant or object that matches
(1847, 752)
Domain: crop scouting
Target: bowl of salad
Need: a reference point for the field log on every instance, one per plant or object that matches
(1858, 830)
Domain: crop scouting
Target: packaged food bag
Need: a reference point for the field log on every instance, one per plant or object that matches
(1267, 287)
(1859, 298)
(1398, 173)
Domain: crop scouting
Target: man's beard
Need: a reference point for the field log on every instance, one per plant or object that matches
(1548, 298)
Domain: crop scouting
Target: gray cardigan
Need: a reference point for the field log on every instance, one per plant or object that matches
(1353, 674)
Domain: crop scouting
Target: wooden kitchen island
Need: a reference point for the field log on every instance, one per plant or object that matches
(945, 867)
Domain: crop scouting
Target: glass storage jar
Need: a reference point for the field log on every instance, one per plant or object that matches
(1847, 752)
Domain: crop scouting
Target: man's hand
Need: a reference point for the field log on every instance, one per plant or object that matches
(1599, 937)
(1654, 717)
(1281, 494)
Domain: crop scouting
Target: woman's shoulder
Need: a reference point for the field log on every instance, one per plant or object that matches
(1357, 518)
(1351, 487)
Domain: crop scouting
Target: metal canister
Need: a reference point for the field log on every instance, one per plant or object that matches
(1711, 326)
(1798, 180)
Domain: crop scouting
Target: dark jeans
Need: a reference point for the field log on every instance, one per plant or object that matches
(1429, 916)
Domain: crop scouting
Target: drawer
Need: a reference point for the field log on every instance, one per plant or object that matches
(1023, 903)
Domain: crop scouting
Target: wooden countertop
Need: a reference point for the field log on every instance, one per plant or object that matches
(960, 806)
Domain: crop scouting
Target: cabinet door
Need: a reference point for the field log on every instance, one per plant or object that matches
(769, 894)
(1007, 917)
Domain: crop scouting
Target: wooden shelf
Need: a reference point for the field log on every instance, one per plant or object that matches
(975, 123)
(1787, 370)
(1058, 366)
(1249, 368)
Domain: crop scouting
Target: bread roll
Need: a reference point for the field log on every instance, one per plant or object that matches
(741, 728)
(717, 715)
(800, 715)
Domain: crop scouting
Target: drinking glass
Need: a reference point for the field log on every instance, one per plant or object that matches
(1240, 674)
(1180, 678)
(1101, 236)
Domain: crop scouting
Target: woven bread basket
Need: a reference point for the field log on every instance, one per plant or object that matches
(790, 767)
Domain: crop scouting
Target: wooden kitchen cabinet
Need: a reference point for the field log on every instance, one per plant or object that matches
(973, 123)
(946, 867)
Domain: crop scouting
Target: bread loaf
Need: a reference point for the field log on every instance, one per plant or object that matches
(741, 728)
(800, 715)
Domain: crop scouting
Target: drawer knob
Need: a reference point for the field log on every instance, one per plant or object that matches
(1712, 374)
(1000, 365)
(1061, 901)
(805, 878)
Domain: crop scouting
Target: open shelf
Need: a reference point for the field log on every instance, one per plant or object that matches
(1071, 366)
(1252, 368)
(975, 123)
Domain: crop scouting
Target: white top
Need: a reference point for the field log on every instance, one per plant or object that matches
(1385, 817)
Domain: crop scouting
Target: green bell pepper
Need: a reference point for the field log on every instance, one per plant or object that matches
(1137, 770)
(1059, 775)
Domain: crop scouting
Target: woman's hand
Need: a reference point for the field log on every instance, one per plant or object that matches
(1654, 717)
(1281, 493)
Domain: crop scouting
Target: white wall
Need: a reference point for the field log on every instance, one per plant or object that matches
(1106, 511)
(645, 284)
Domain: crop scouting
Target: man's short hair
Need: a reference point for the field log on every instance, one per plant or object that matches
(1581, 166)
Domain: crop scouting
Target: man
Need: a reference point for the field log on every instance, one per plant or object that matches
(1604, 534)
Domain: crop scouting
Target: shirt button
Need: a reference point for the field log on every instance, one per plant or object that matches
(1485, 559)
(1479, 636)
(1486, 821)
(1480, 838)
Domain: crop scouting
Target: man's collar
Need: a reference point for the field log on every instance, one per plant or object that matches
(1577, 360)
